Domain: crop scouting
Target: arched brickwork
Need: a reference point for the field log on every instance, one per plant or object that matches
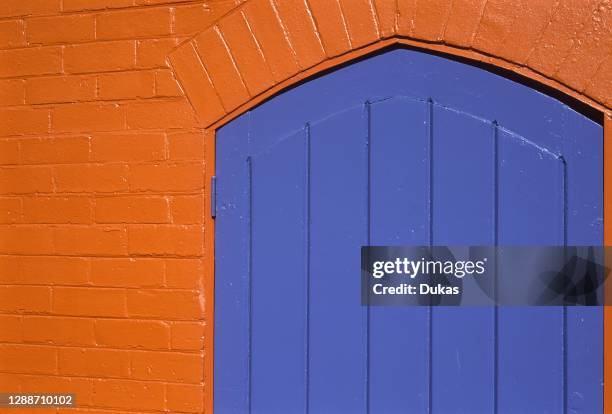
(261, 47)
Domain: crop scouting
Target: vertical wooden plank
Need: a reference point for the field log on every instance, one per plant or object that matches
(582, 149)
(232, 283)
(463, 339)
(531, 348)
(399, 216)
(338, 229)
(278, 325)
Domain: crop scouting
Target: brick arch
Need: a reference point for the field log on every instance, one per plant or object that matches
(263, 46)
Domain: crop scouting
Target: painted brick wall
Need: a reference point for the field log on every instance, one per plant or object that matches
(102, 204)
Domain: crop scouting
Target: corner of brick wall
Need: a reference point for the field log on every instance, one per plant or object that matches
(103, 179)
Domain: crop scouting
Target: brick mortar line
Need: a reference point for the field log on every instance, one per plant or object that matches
(123, 318)
(173, 351)
(61, 13)
(156, 289)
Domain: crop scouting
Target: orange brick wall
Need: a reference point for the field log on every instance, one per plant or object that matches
(102, 205)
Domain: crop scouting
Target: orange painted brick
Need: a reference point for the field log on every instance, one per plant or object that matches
(166, 84)
(58, 331)
(495, 24)
(592, 48)
(193, 76)
(406, 11)
(166, 240)
(9, 381)
(132, 209)
(126, 85)
(559, 36)
(89, 301)
(91, 178)
(22, 121)
(132, 395)
(187, 336)
(81, 5)
(167, 366)
(94, 362)
(534, 17)
(267, 29)
(430, 19)
(129, 24)
(53, 270)
(361, 22)
(61, 29)
(28, 359)
(132, 334)
(75, 210)
(141, 146)
(184, 273)
(60, 89)
(9, 269)
(188, 209)
(11, 34)
(191, 19)
(164, 304)
(9, 152)
(302, 32)
(463, 21)
(87, 117)
(10, 210)
(151, 53)
(97, 241)
(386, 13)
(25, 299)
(25, 180)
(160, 114)
(100, 56)
(12, 92)
(26, 240)
(331, 25)
(81, 387)
(186, 145)
(166, 177)
(10, 328)
(153, 2)
(221, 68)
(185, 398)
(31, 61)
(246, 52)
(10, 8)
(55, 150)
(600, 86)
(141, 272)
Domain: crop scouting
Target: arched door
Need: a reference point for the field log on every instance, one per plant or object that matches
(397, 149)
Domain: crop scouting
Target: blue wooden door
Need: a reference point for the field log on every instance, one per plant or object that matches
(401, 148)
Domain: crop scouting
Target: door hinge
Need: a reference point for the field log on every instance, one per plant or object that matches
(213, 196)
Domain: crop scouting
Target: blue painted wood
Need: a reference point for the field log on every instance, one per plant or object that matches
(531, 341)
(463, 212)
(339, 227)
(232, 260)
(399, 188)
(400, 148)
(282, 223)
